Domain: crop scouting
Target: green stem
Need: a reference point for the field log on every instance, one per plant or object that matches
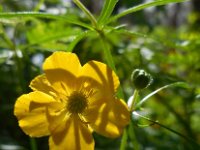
(135, 96)
(178, 116)
(132, 136)
(33, 144)
(124, 140)
(107, 52)
(175, 132)
(87, 12)
(111, 63)
(109, 59)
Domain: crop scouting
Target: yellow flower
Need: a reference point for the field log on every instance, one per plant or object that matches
(70, 101)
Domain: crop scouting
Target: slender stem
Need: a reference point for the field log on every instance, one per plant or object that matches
(110, 62)
(87, 12)
(135, 96)
(109, 59)
(178, 116)
(124, 140)
(175, 132)
(107, 53)
(33, 144)
(132, 136)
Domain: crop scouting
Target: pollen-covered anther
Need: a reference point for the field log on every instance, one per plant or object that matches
(77, 102)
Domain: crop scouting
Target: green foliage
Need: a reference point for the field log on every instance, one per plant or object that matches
(170, 55)
(107, 10)
(142, 6)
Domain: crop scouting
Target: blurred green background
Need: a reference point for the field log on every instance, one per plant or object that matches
(164, 40)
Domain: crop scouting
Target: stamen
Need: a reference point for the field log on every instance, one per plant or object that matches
(77, 102)
(82, 119)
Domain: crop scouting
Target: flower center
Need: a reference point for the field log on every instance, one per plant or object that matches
(77, 102)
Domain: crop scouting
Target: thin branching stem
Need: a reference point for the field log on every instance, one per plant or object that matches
(87, 12)
(124, 140)
(33, 144)
(134, 99)
(173, 131)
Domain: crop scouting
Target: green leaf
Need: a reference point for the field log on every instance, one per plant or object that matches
(130, 33)
(44, 15)
(43, 33)
(107, 10)
(9, 22)
(142, 6)
(87, 12)
(179, 84)
(76, 39)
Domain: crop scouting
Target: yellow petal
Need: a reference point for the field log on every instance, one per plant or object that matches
(103, 75)
(61, 69)
(75, 136)
(63, 60)
(57, 120)
(40, 83)
(109, 118)
(30, 111)
(62, 82)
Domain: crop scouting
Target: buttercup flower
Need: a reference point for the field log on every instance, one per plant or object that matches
(70, 101)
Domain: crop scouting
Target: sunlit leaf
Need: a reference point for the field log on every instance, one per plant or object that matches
(51, 36)
(129, 32)
(44, 15)
(9, 21)
(176, 84)
(107, 10)
(141, 7)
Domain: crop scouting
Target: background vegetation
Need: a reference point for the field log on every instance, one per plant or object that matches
(163, 40)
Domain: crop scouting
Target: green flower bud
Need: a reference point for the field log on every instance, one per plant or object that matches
(141, 79)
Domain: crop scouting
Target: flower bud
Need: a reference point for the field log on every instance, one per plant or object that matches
(141, 79)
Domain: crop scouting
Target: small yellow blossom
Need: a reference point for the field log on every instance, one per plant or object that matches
(70, 101)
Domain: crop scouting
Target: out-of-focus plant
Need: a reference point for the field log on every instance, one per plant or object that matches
(29, 36)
